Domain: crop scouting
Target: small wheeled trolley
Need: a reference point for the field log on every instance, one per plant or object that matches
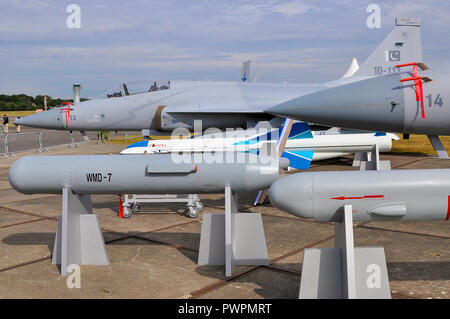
(131, 203)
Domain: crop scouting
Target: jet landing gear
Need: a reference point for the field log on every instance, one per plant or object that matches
(131, 205)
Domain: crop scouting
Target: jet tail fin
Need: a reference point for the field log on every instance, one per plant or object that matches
(402, 45)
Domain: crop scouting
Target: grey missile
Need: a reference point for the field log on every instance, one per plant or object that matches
(139, 174)
(405, 195)
(380, 104)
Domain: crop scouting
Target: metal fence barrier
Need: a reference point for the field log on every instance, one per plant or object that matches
(36, 141)
(18, 142)
(43, 140)
(49, 139)
(2, 146)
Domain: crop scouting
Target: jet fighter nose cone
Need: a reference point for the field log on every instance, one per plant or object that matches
(48, 120)
(19, 122)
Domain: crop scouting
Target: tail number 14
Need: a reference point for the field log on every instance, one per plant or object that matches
(437, 100)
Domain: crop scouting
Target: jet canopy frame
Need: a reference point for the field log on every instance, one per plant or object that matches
(136, 87)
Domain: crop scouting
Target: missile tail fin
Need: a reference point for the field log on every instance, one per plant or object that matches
(299, 159)
(300, 130)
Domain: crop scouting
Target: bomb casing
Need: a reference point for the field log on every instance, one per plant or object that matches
(139, 174)
(406, 195)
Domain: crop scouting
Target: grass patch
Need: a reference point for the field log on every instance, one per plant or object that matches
(133, 139)
(418, 144)
(16, 113)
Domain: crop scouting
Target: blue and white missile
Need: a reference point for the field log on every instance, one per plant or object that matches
(302, 147)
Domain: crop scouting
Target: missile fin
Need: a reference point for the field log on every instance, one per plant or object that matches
(299, 159)
(392, 210)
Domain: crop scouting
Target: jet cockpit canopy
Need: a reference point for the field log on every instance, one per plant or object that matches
(137, 87)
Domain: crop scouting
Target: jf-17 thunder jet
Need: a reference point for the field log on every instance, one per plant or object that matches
(165, 106)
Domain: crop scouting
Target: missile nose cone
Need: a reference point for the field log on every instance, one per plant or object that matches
(49, 119)
(374, 104)
(293, 194)
(39, 174)
(17, 175)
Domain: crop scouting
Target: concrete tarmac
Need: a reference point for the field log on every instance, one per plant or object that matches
(154, 253)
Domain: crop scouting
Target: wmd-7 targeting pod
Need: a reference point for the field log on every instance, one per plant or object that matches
(406, 195)
(139, 174)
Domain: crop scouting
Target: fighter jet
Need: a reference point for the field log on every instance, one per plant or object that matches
(164, 106)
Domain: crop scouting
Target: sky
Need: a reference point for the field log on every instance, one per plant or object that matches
(118, 41)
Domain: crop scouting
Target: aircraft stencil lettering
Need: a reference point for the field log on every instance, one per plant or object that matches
(98, 177)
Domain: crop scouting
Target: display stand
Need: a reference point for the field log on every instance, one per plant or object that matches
(344, 272)
(79, 239)
(370, 161)
(232, 238)
(438, 147)
(85, 136)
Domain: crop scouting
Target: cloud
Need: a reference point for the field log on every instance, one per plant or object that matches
(293, 8)
(205, 39)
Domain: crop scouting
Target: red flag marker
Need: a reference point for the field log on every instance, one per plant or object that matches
(121, 207)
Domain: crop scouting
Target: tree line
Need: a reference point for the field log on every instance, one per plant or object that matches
(23, 102)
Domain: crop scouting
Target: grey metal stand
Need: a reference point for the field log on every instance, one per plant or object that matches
(232, 238)
(344, 272)
(85, 136)
(368, 161)
(438, 147)
(79, 239)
